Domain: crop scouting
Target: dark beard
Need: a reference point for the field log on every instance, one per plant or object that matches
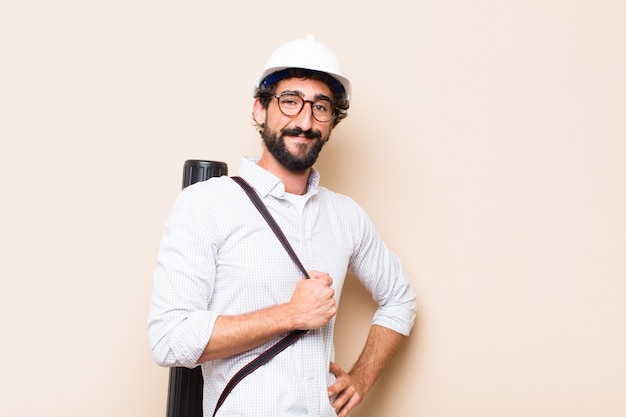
(275, 144)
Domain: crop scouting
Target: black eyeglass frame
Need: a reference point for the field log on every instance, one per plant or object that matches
(312, 102)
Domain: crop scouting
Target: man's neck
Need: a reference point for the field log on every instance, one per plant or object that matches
(295, 182)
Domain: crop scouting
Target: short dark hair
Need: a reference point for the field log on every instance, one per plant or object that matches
(267, 88)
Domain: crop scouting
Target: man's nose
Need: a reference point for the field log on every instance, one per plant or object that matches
(304, 120)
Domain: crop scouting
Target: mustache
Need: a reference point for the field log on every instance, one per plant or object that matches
(296, 131)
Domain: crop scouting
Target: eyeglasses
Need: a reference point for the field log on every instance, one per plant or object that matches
(291, 104)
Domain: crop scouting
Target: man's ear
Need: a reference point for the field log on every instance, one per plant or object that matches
(259, 112)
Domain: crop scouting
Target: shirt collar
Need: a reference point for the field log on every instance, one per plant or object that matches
(265, 183)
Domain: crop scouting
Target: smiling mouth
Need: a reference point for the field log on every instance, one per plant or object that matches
(299, 133)
(301, 138)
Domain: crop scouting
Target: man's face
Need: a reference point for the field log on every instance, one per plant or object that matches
(295, 141)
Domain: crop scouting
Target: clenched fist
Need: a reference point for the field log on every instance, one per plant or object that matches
(313, 303)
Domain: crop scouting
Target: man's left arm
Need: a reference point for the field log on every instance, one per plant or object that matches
(351, 387)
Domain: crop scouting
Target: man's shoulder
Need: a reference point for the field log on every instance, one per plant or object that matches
(212, 185)
(215, 191)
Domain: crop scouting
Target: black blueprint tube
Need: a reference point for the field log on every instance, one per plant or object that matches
(184, 397)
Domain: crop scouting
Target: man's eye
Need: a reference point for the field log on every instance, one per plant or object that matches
(322, 107)
(290, 101)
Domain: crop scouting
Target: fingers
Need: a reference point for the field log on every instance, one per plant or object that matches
(335, 369)
(321, 276)
(345, 390)
(313, 302)
(343, 410)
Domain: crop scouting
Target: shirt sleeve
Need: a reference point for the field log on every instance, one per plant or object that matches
(179, 323)
(380, 271)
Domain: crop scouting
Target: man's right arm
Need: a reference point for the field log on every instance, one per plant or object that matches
(312, 305)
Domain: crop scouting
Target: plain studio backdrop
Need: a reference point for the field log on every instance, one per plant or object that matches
(486, 140)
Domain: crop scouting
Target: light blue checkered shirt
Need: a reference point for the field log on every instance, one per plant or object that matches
(219, 257)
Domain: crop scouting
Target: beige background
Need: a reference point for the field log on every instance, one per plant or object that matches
(486, 140)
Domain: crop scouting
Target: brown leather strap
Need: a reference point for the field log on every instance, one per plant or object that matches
(292, 337)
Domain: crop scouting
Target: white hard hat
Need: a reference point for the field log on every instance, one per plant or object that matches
(306, 54)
